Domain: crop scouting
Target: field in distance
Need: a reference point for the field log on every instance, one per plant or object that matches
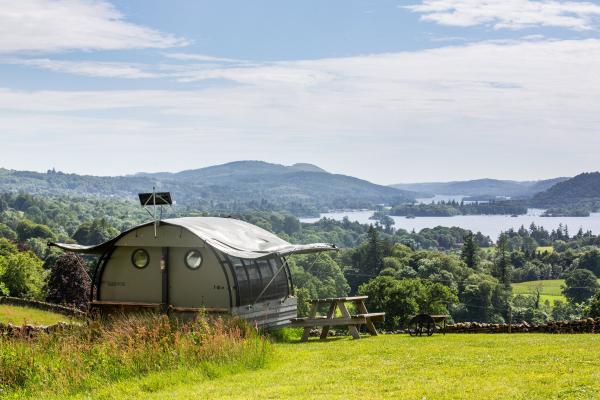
(25, 315)
(549, 289)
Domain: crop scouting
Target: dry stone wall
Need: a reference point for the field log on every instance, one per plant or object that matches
(29, 331)
(586, 325)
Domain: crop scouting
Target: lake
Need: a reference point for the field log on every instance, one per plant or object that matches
(490, 225)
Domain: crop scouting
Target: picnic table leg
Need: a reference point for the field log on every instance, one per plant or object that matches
(311, 314)
(346, 314)
(330, 315)
(360, 304)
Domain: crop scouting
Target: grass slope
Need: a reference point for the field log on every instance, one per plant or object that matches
(25, 315)
(519, 366)
(549, 289)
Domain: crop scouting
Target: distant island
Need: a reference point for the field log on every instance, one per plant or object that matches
(453, 208)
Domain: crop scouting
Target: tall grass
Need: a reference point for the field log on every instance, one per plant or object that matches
(87, 357)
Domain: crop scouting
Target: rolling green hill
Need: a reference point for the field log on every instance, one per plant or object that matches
(300, 188)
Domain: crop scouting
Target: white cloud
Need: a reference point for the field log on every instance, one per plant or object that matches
(58, 25)
(504, 107)
(237, 71)
(201, 58)
(88, 68)
(510, 14)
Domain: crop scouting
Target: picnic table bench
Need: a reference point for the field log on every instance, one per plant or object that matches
(353, 322)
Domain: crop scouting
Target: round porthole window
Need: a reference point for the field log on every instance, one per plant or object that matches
(193, 259)
(140, 258)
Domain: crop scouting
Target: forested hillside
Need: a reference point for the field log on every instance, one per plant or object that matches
(581, 193)
(301, 189)
(482, 187)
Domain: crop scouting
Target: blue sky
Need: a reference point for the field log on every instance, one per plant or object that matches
(390, 91)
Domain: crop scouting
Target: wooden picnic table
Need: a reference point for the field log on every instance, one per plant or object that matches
(353, 322)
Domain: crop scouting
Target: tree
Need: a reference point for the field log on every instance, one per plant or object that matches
(590, 260)
(69, 282)
(94, 232)
(23, 275)
(402, 298)
(320, 274)
(291, 224)
(7, 247)
(580, 285)
(6, 232)
(477, 298)
(367, 259)
(27, 229)
(373, 260)
(469, 253)
(388, 223)
(503, 264)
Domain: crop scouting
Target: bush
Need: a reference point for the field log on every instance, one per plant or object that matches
(565, 311)
(594, 306)
(23, 275)
(69, 282)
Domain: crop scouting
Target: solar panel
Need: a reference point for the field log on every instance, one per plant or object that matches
(158, 198)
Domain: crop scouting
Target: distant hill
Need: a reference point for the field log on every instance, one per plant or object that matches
(579, 192)
(300, 188)
(482, 187)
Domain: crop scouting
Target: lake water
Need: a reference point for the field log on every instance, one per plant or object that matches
(490, 225)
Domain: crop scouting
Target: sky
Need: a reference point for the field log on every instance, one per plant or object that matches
(389, 91)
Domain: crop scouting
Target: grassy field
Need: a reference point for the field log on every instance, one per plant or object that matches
(25, 315)
(549, 289)
(518, 366)
(544, 249)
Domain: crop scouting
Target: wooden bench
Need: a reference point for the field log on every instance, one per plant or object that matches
(353, 322)
(374, 316)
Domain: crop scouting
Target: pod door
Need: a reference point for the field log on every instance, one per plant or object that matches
(196, 279)
(132, 274)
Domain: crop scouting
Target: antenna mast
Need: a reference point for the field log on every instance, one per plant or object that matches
(154, 199)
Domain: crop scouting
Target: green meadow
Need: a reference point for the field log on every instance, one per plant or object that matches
(550, 290)
(153, 358)
(518, 366)
(26, 315)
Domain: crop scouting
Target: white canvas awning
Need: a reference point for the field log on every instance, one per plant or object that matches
(230, 236)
